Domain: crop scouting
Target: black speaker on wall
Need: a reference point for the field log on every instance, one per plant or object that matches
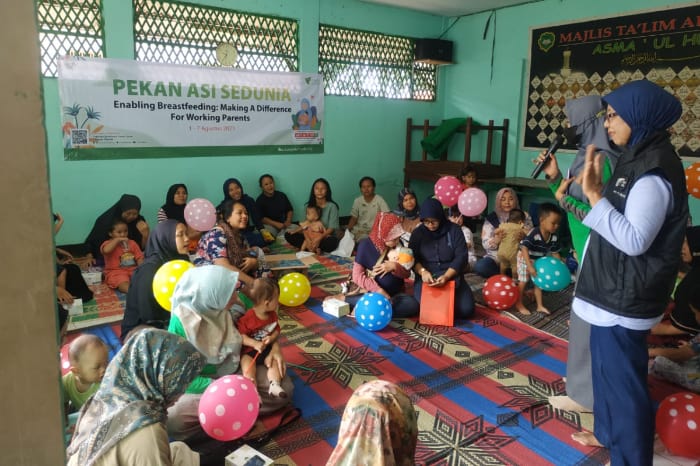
(434, 51)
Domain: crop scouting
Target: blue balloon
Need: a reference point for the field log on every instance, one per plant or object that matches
(373, 311)
(552, 274)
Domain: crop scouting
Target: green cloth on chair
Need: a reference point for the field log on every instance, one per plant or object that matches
(436, 142)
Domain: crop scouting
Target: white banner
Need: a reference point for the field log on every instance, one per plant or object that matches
(131, 109)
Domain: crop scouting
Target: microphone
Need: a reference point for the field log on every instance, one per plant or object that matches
(556, 144)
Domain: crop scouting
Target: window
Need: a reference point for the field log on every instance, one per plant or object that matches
(68, 27)
(170, 32)
(368, 64)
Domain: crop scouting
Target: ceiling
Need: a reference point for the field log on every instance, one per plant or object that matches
(450, 8)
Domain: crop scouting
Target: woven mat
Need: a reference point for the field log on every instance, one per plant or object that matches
(107, 306)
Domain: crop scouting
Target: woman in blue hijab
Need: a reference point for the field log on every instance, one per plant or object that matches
(630, 263)
(441, 254)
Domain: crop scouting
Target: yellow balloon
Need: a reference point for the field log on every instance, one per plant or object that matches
(166, 278)
(295, 289)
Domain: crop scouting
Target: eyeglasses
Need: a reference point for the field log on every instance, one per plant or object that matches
(610, 116)
(431, 221)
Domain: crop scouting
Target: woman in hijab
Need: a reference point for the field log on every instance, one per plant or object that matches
(124, 422)
(167, 242)
(441, 255)
(407, 209)
(233, 190)
(128, 208)
(586, 126)
(373, 271)
(201, 303)
(379, 427)
(630, 263)
(175, 202)
(506, 200)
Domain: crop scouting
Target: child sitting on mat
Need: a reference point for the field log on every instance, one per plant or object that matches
(680, 365)
(121, 256)
(88, 357)
(260, 329)
(540, 242)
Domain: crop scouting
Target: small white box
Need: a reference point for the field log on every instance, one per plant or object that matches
(336, 307)
(247, 456)
(74, 309)
(92, 278)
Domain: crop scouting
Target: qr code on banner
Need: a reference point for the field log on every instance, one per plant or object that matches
(78, 137)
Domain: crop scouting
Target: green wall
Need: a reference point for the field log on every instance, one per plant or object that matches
(470, 90)
(364, 136)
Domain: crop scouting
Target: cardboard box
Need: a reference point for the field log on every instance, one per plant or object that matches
(336, 307)
(92, 278)
(74, 309)
(247, 456)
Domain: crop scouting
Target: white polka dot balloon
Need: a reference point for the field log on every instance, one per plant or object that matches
(373, 311)
(692, 179)
(500, 292)
(472, 202)
(200, 214)
(552, 274)
(447, 190)
(295, 289)
(229, 407)
(678, 424)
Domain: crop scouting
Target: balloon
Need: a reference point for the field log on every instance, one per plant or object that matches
(200, 214)
(166, 278)
(678, 424)
(447, 190)
(692, 179)
(472, 202)
(294, 289)
(229, 407)
(373, 311)
(500, 292)
(552, 274)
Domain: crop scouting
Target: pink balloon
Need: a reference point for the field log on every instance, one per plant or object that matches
(200, 214)
(229, 407)
(472, 202)
(447, 190)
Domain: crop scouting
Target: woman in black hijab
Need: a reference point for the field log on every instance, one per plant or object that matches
(175, 202)
(128, 208)
(167, 242)
(441, 256)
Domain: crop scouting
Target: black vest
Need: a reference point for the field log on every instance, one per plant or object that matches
(638, 286)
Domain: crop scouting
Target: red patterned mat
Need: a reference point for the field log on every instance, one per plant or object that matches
(107, 306)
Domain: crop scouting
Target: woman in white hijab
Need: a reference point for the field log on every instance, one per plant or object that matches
(200, 313)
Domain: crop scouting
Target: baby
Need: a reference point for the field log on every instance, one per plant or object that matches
(88, 357)
(313, 230)
(403, 256)
(512, 232)
(260, 329)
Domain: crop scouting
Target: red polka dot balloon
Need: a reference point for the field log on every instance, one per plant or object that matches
(500, 292)
(692, 179)
(447, 190)
(678, 424)
(229, 407)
